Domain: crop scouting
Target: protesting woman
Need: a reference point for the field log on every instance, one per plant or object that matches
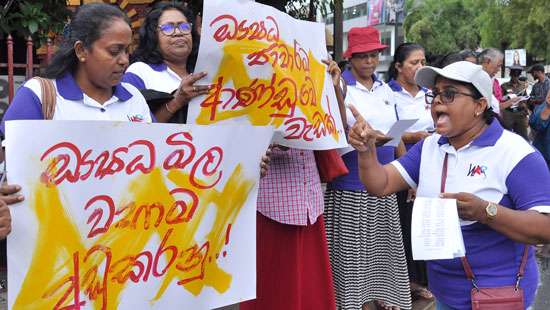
(410, 104)
(165, 60)
(86, 73)
(499, 181)
(363, 231)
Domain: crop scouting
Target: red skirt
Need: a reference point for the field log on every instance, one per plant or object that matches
(293, 267)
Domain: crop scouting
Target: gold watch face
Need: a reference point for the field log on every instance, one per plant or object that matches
(491, 210)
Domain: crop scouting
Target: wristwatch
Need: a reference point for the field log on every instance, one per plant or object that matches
(491, 210)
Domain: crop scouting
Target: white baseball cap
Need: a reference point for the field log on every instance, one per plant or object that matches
(463, 71)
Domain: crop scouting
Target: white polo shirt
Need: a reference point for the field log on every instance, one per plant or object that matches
(412, 107)
(126, 104)
(376, 105)
(498, 166)
(152, 76)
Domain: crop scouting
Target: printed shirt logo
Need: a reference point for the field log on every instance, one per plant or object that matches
(138, 118)
(477, 170)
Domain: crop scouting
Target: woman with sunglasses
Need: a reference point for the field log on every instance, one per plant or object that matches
(499, 181)
(165, 59)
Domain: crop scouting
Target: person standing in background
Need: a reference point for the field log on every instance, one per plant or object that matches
(540, 124)
(411, 104)
(541, 87)
(514, 116)
(363, 232)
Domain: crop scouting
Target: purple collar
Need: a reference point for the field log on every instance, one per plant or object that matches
(158, 67)
(350, 79)
(488, 137)
(69, 89)
(396, 87)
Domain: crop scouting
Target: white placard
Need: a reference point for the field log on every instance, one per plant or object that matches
(266, 69)
(133, 216)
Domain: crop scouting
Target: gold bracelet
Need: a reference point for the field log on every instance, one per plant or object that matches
(168, 109)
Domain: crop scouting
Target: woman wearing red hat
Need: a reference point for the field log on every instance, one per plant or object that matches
(364, 231)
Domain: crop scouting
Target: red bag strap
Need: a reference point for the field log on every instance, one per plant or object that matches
(444, 172)
(523, 261)
(464, 260)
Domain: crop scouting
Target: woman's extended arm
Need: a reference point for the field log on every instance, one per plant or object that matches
(380, 180)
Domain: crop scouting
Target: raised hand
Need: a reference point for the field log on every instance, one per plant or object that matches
(334, 71)
(188, 90)
(362, 136)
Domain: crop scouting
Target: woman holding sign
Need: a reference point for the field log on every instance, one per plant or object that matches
(165, 60)
(85, 76)
(363, 231)
(499, 181)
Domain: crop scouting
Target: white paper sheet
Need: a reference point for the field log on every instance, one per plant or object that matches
(397, 130)
(435, 229)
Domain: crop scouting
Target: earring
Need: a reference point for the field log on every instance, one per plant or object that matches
(478, 114)
(82, 59)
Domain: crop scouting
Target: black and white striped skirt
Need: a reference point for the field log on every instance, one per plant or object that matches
(366, 249)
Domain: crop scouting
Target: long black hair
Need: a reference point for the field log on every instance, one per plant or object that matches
(148, 49)
(401, 54)
(86, 26)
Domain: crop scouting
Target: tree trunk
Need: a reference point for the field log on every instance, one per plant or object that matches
(312, 11)
(338, 29)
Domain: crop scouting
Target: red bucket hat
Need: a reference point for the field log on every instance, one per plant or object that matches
(362, 40)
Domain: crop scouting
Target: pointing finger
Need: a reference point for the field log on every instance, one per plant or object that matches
(355, 113)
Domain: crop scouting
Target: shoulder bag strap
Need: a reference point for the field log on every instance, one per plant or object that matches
(48, 99)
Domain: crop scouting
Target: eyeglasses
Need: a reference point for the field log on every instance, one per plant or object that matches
(169, 29)
(447, 96)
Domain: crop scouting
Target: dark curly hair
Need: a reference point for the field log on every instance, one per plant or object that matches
(86, 26)
(148, 49)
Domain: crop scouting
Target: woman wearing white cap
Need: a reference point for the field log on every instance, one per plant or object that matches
(499, 181)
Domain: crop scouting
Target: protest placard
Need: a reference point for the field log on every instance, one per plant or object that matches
(132, 216)
(266, 69)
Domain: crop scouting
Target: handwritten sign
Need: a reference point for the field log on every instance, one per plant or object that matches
(133, 216)
(266, 70)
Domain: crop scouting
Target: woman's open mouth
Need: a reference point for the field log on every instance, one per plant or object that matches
(441, 119)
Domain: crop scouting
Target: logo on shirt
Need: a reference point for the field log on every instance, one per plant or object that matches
(138, 118)
(477, 170)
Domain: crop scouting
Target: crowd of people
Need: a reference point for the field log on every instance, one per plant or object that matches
(347, 246)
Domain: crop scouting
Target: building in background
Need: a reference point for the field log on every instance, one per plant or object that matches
(378, 13)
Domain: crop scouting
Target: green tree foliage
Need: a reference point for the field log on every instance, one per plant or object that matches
(446, 26)
(443, 26)
(37, 18)
(517, 24)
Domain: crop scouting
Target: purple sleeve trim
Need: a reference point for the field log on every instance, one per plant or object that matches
(411, 161)
(25, 105)
(134, 79)
(528, 182)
